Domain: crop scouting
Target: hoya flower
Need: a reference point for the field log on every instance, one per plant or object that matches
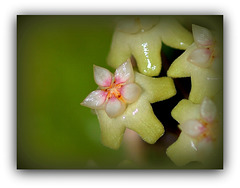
(202, 61)
(142, 38)
(123, 101)
(115, 91)
(200, 139)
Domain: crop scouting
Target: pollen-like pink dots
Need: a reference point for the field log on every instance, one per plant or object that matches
(115, 91)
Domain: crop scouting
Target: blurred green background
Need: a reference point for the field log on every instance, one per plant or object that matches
(55, 57)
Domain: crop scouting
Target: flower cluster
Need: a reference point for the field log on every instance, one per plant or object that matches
(202, 62)
(200, 137)
(199, 118)
(123, 99)
(142, 37)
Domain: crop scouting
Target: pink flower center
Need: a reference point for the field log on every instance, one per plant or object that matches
(114, 91)
(207, 130)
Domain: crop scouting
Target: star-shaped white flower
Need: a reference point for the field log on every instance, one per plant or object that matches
(202, 61)
(200, 139)
(123, 101)
(115, 91)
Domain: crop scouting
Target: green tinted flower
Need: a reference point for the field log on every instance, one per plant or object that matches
(200, 139)
(202, 62)
(142, 37)
(123, 101)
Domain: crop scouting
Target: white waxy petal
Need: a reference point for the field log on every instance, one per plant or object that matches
(192, 128)
(200, 57)
(114, 107)
(131, 92)
(124, 73)
(95, 99)
(202, 36)
(208, 110)
(102, 76)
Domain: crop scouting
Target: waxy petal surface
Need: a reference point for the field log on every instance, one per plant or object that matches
(174, 34)
(192, 128)
(202, 61)
(114, 107)
(131, 92)
(145, 45)
(202, 36)
(124, 73)
(205, 148)
(183, 150)
(208, 110)
(95, 100)
(111, 130)
(200, 57)
(186, 110)
(102, 76)
(204, 81)
(147, 54)
(138, 117)
(181, 67)
(186, 150)
(155, 89)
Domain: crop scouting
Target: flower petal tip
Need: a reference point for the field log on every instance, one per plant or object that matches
(102, 76)
(202, 36)
(208, 110)
(115, 107)
(95, 100)
(124, 73)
